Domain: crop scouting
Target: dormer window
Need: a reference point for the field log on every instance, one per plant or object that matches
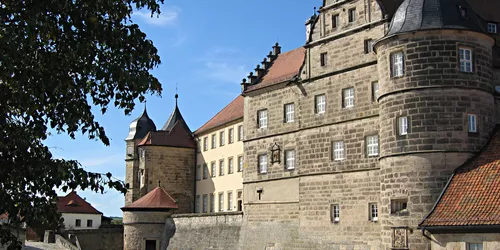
(492, 28)
(463, 12)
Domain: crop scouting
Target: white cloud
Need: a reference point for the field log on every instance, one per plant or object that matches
(165, 18)
(223, 65)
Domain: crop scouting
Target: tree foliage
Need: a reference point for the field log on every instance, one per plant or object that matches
(58, 58)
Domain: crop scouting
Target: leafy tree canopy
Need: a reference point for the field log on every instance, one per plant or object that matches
(59, 57)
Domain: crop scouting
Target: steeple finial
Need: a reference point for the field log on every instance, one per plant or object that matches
(176, 95)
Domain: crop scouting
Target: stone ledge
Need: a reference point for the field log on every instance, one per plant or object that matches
(207, 214)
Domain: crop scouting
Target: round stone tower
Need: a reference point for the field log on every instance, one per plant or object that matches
(436, 109)
(147, 223)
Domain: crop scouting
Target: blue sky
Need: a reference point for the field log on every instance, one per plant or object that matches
(206, 48)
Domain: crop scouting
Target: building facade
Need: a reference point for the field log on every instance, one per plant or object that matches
(77, 213)
(219, 161)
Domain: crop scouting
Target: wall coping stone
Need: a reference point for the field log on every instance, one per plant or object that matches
(207, 214)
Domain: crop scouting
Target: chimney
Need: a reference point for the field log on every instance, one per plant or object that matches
(251, 78)
(265, 64)
(270, 57)
(309, 26)
(258, 71)
(244, 85)
(276, 49)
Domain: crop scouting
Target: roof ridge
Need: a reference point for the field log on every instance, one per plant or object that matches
(213, 117)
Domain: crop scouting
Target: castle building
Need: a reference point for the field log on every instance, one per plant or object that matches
(381, 132)
(219, 161)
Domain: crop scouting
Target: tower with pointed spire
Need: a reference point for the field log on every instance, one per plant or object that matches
(166, 155)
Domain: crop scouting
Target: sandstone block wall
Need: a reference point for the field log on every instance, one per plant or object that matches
(104, 238)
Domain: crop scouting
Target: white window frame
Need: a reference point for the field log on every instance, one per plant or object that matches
(204, 207)
(320, 103)
(335, 20)
(230, 165)
(221, 167)
(348, 97)
(372, 146)
(240, 133)
(231, 135)
(338, 151)
(351, 15)
(289, 112)
(335, 213)
(475, 246)
(214, 141)
(229, 201)
(492, 28)
(212, 203)
(222, 138)
(262, 163)
(323, 59)
(373, 210)
(262, 118)
(368, 46)
(290, 159)
(221, 202)
(213, 166)
(465, 59)
(403, 125)
(397, 64)
(198, 172)
(205, 171)
(375, 90)
(205, 143)
(472, 123)
(240, 163)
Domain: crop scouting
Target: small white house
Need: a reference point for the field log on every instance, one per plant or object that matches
(77, 213)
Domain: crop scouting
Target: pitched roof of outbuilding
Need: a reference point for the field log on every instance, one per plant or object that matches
(472, 197)
(284, 68)
(73, 203)
(233, 111)
(156, 200)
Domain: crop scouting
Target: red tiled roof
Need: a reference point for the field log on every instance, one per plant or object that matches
(73, 203)
(231, 112)
(158, 199)
(472, 198)
(284, 68)
(177, 137)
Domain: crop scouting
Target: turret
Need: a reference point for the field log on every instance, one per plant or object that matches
(436, 107)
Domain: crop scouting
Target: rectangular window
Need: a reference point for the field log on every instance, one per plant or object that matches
(240, 133)
(221, 202)
(240, 163)
(348, 97)
(290, 159)
(289, 112)
(492, 28)
(78, 223)
(474, 246)
(465, 55)
(214, 141)
(205, 171)
(399, 205)
(372, 145)
(397, 64)
(197, 204)
(262, 163)
(373, 212)
(335, 212)
(403, 125)
(221, 167)
(205, 143)
(205, 203)
(368, 46)
(230, 166)
(335, 21)
(229, 201)
(222, 138)
(472, 123)
(89, 223)
(320, 101)
(324, 59)
(231, 135)
(352, 15)
(198, 172)
(262, 116)
(214, 169)
(338, 151)
(212, 203)
(374, 91)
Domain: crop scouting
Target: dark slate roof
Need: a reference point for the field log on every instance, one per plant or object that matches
(73, 203)
(141, 126)
(178, 136)
(175, 117)
(472, 197)
(156, 200)
(416, 15)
